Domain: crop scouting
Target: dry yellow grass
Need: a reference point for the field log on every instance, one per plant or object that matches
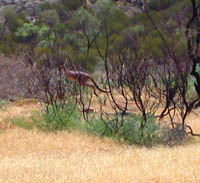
(30, 156)
(22, 108)
(63, 157)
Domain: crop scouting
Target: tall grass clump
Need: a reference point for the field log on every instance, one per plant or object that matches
(2, 104)
(23, 123)
(64, 116)
(100, 128)
(150, 134)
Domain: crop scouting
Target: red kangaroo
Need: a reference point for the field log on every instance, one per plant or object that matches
(82, 78)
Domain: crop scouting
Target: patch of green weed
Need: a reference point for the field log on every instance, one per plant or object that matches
(130, 132)
(59, 118)
(23, 123)
(2, 104)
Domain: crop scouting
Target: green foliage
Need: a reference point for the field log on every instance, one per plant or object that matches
(10, 47)
(198, 68)
(100, 128)
(132, 38)
(73, 4)
(2, 104)
(109, 17)
(47, 6)
(117, 43)
(46, 36)
(104, 9)
(118, 20)
(77, 38)
(88, 62)
(1, 29)
(140, 18)
(41, 35)
(24, 123)
(44, 31)
(12, 18)
(132, 132)
(58, 118)
(137, 28)
(27, 32)
(161, 5)
(180, 47)
(50, 17)
(191, 92)
(179, 6)
(154, 45)
(87, 22)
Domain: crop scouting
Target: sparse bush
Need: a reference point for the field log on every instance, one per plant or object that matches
(73, 4)
(100, 128)
(64, 117)
(50, 17)
(130, 132)
(150, 134)
(157, 5)
(191, 95)
(2, 103)
(23, 123)
(11, 17)
(176, 135)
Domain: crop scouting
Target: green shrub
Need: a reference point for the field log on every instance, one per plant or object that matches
(23, 123)
(11, 16)
(87, 62)
(100, 128)
(48, 6)
(132, 132)
(73, 4)
(2, 104)
(50, 17)
(63, 117)
(177, 6)
(161, 5)
(58, 117)
(191, 94)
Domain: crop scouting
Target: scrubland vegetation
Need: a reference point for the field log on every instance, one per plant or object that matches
(148, 61)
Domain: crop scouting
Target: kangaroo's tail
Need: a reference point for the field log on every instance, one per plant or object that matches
(95, 84)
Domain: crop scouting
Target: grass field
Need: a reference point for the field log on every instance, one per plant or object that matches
(31, 156)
